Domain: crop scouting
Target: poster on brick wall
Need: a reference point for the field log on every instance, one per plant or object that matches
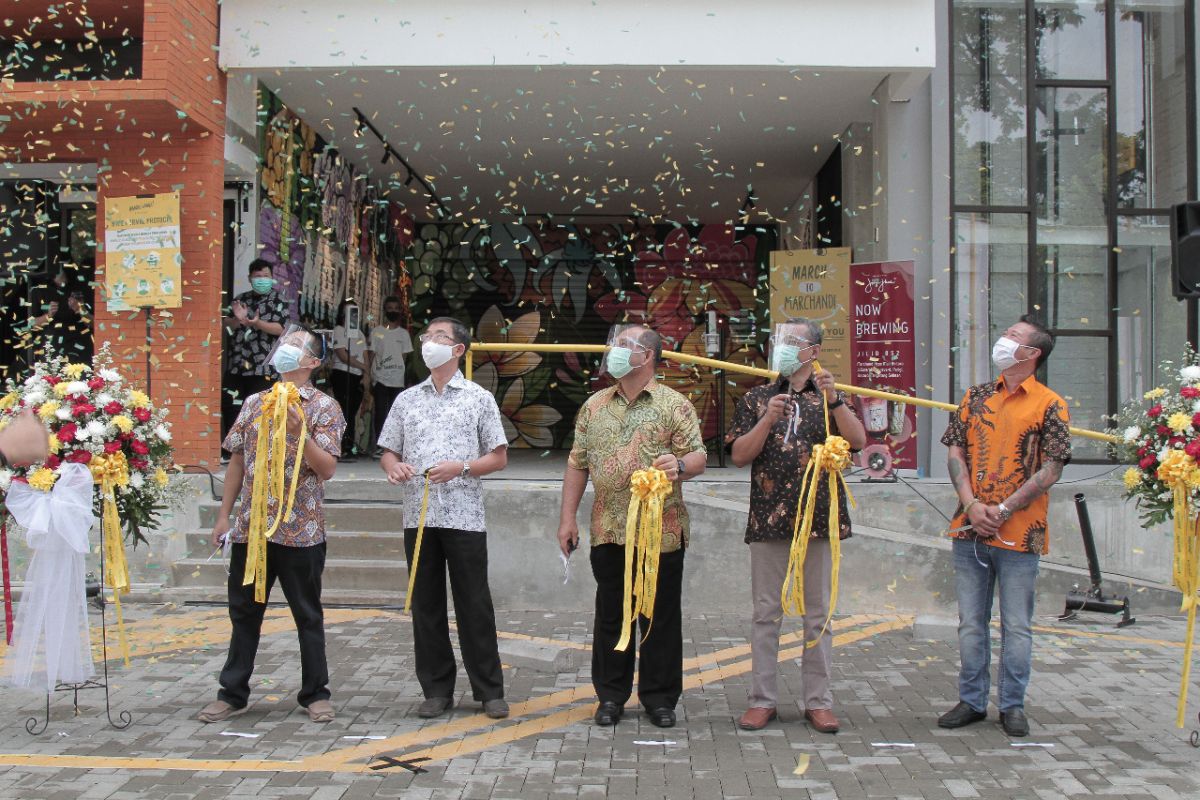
(142, 262)
(883, 341)
(815, 284)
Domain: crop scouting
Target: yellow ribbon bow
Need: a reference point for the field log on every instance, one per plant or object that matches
(1178, 471)
(643, 536)
(270, 479)
(111, 471)
(828, 460)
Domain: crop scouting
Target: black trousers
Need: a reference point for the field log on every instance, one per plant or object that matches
(660, 671)
(384, 396)
(299, 571)
(464, 555)
(348, 391)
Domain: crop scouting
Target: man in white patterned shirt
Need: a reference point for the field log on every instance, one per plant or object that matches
(447, 431)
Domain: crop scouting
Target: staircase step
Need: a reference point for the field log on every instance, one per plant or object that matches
(373, 517)
(386, 545)
(329, 597)
(366, 574)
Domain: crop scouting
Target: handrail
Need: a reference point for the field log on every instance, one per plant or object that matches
(729, 366)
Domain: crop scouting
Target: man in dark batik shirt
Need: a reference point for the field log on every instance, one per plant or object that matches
(775, 427)
(255, 323)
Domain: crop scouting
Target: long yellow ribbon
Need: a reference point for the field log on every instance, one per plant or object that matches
(828, 459)
(270, 477)
(643, 537)
(412, 571)
(1176, 469)
(111, 471)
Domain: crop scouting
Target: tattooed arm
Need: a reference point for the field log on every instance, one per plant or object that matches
(985, 524)
(1036, 486)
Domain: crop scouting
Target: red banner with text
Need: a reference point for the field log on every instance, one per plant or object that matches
(883, 343)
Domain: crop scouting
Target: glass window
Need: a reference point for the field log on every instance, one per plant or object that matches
(1078, 370)
(991, 272)
(1151, 89)
(1069, 39)
(1151, 323)
(989, 102)
(1072, 133)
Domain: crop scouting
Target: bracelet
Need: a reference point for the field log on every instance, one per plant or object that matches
(838, 404)
(967, 507)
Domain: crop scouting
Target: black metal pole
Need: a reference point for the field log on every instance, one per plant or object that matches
(1089, 542)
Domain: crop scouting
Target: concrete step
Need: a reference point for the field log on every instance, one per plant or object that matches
(356, 516)
(353, 574)
(329, 597)
(375, 545)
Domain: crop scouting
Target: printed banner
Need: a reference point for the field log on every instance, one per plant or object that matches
(142, 263)
(884, 346)
(815, 284)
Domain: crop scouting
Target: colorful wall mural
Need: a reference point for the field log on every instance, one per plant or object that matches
(567, 283)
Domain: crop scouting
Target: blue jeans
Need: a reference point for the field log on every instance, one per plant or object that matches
(1017, 575)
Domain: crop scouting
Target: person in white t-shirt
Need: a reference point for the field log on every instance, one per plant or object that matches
(348, 378)
(386, 350)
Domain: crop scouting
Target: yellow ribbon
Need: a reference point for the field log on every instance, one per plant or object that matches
(1175, 471)
(828, 460)
(412, 571)
(111, 471)
(270, 479)
(643, 536)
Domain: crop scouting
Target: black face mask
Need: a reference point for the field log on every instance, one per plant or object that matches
(393, 316)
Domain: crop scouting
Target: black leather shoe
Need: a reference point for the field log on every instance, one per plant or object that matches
(962, 714)
(662, 717)
(609, 713)
(434, 707)
(1014, 722)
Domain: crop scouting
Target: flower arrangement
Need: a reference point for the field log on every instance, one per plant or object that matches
(96, 419)
(1160, 435)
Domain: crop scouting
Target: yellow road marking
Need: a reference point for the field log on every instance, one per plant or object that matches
(343, 760)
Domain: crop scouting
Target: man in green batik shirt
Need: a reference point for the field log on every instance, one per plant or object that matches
(637, 423)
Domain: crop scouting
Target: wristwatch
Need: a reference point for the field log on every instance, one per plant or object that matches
(679, 469)
(466, 470)
(1005, 511)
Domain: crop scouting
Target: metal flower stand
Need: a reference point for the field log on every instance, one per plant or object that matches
(36, 725)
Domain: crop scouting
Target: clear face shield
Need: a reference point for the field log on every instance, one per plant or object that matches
(298, 348)
(626, 351)
(791, 348)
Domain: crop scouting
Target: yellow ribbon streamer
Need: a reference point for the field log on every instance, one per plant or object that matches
(643, 536)
(111, 471)
(828, 460)
(270, 480)
(412, 571)
(1178, 472)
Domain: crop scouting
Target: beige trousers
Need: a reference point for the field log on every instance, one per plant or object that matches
(768, 568)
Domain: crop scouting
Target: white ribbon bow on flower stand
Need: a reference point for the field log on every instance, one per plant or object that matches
(52, 642)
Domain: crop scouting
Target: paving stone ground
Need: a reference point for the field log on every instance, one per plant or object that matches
(1102, 704)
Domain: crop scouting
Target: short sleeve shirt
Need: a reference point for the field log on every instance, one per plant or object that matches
(615, 437)
(249, 347)
(353, 342)
(778, 471)
(306, 525)
(389, 346)
(425, 428)
(1006, 436)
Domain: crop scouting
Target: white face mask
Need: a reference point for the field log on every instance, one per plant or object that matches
(1004, 353)
(435, 354)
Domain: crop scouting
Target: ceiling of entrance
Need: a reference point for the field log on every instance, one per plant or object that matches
(683, 143)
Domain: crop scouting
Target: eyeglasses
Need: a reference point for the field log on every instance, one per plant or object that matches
(631, 344)
(789, 340)
(436, 336)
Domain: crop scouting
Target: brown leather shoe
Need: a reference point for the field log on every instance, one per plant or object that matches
(755, 719)
(822, 719)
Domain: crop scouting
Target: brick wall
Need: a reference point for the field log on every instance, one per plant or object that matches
(162, 133)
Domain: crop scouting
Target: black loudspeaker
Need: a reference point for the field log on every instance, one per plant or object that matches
(1185, 250)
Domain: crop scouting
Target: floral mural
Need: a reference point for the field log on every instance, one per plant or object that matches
(567, 284)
